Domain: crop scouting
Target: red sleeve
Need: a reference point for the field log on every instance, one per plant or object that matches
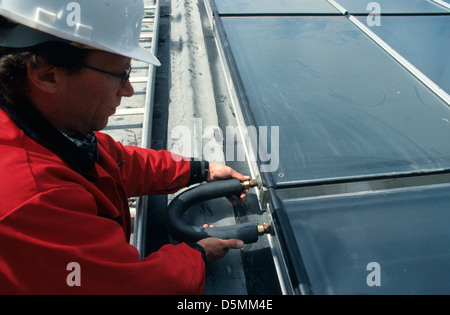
(146, 171)
(53, 229)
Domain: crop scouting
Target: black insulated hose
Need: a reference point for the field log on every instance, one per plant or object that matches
(183, 232)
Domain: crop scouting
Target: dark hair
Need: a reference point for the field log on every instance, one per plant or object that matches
(14, 62)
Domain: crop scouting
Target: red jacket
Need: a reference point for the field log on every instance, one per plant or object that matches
(51, 216)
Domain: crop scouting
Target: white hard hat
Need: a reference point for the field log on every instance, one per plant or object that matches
(109, 25)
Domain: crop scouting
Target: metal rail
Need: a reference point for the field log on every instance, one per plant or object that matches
(131, 125)
(142, 203)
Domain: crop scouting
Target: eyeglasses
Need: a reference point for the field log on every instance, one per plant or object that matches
(125, 76)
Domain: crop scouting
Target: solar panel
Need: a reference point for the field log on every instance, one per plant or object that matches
(392, 6)
(344, 107)
(359, 196)
(423, 40)
(274, 7)
(339, 237)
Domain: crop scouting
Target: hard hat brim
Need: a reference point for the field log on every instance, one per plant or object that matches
(30, 32)
(143, 54)
(22, 36)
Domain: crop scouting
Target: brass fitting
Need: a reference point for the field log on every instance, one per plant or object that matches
(264, 229)
(249, 184)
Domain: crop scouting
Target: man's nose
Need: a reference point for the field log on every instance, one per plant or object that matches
(127, 90)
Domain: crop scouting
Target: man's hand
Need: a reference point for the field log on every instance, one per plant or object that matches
(217, 249)
(220, 172)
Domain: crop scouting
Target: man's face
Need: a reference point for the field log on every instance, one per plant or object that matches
(90, 97)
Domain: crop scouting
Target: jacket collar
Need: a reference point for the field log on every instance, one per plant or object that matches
(79, 157)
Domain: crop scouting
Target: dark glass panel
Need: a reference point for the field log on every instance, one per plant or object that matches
(345, 108)
(399, 229)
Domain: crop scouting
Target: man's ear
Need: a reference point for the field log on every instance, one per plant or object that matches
(43, 76)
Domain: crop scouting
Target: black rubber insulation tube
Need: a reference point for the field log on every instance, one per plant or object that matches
(183, 232)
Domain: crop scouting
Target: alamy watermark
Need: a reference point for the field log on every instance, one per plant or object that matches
(211, 143)
(73, 279)
(374, 17)
(373, 279)
(74, 17)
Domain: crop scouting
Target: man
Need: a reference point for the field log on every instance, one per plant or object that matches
(64, 186)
